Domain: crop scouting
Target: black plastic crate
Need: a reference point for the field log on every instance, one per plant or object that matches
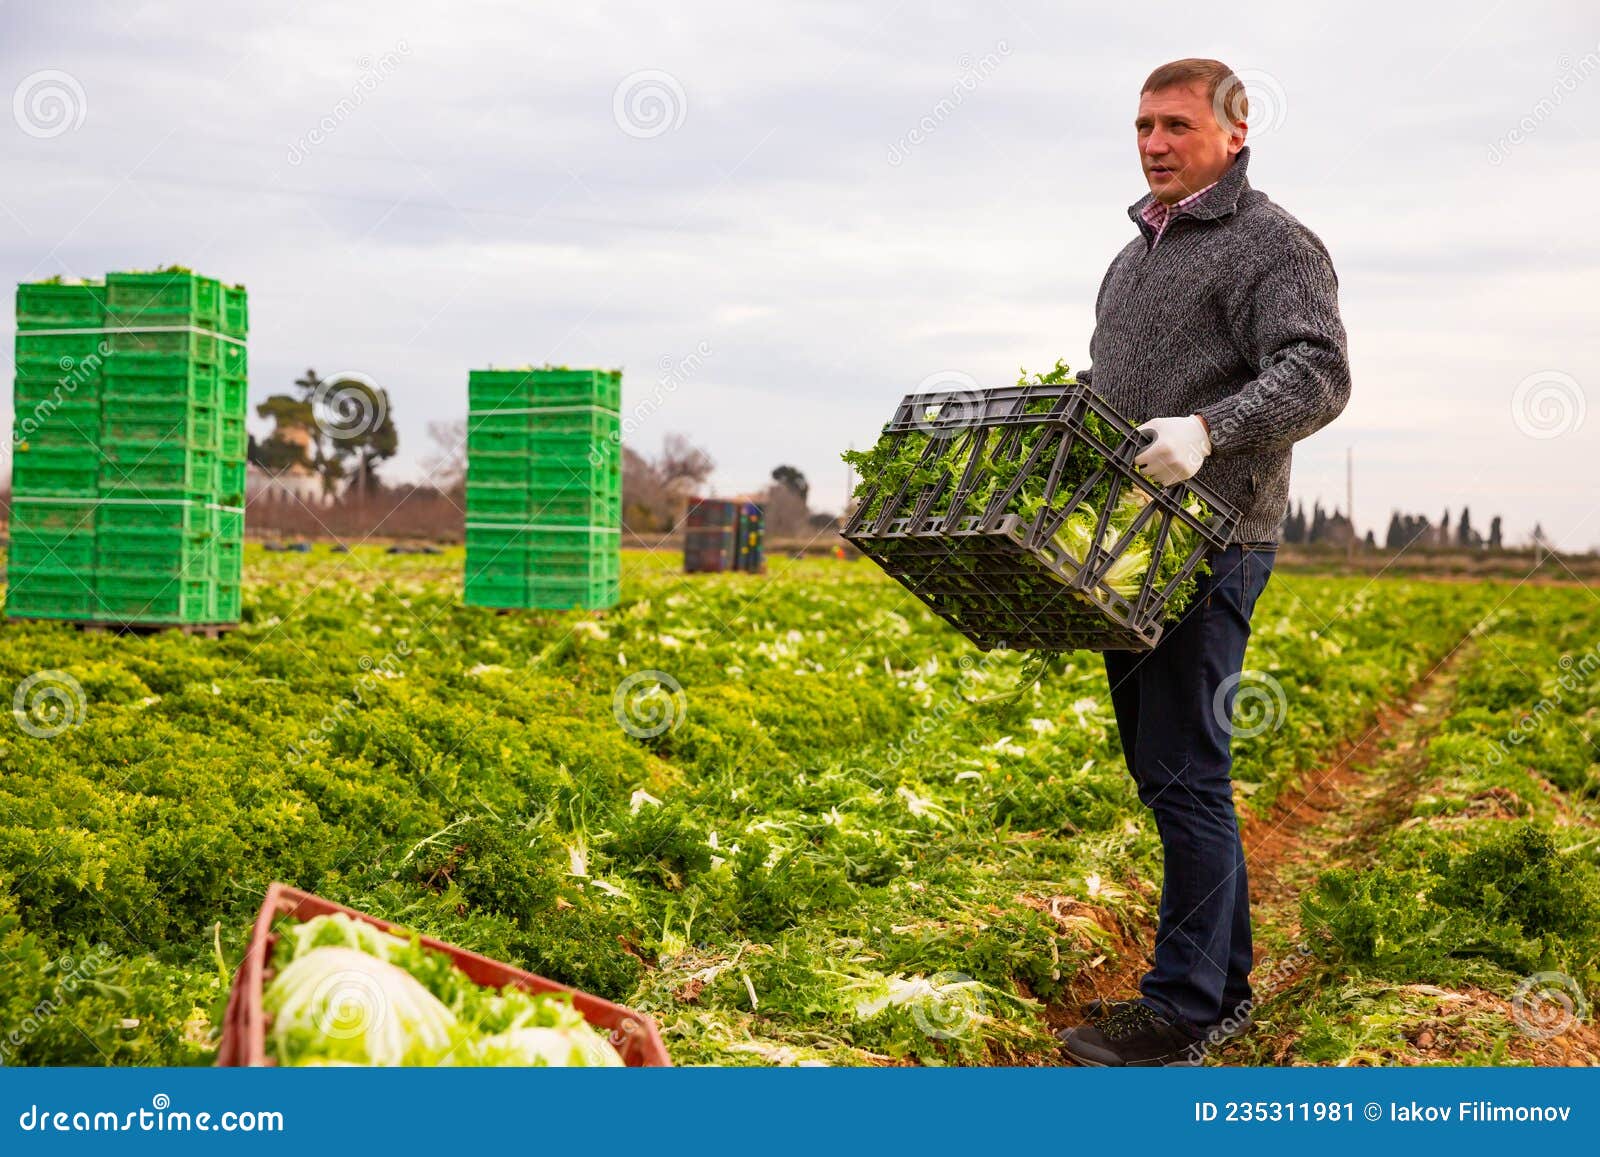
(951, 534)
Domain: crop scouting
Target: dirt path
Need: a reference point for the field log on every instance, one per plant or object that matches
(1337, 817)
(1333, 820)
(1337, 820)
(1284, 848)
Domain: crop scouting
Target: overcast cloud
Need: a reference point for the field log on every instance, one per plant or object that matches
(830, 202)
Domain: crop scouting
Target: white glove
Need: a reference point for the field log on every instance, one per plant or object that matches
(1179, 449)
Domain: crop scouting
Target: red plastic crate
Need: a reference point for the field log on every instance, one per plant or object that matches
(244, 1031)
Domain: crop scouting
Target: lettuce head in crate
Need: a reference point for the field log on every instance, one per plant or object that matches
(1018, 515)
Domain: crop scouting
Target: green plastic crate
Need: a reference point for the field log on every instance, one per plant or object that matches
(495, 390)
(229, 524)
(235, 311)
(54, 516)
(58, 355)
(592, 425)
(230, 481)
(169, 298)
(494, 422)
(503, 389)
(573, 594)
(496, 550)
(75, 422)
(31, 392)
(497, 470)
(227, 559)
(51, 550)
(188, 558)
(497, 503)
(163, 346)
(560, 474)
(126, 597)
(491, 590)
(49, 594)
(232, 440)
(233, 396)
(51, 305)
(165, 380)
(574, 553)
(572, 449)
(226, 603)
(233, 359)
(496, 441)
(574, 508)
(163, 549)
(165, 469)
(190, 426)
(140, 517)
(59, 471)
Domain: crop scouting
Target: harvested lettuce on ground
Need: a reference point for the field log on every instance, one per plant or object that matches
(346, 993)
(919, 460)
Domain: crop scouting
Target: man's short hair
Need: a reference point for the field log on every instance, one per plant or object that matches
(1223, 87)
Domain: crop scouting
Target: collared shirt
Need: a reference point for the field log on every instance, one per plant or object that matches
(1156, 214)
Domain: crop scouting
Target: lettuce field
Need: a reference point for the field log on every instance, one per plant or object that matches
(765, 810)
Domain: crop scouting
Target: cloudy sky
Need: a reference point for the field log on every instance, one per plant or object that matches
(778, 219)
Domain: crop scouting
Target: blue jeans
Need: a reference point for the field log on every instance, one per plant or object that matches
(1173, 706)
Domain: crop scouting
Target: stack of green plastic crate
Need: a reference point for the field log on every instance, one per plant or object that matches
(128, 481)
(544, 488)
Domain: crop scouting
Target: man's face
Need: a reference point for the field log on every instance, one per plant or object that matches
(1181, 145)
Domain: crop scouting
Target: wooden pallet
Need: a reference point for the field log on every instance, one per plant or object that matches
(116, 627)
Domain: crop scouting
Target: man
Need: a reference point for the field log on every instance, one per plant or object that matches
(1223, 314)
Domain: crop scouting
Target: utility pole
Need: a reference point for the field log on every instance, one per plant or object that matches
(1350, 500)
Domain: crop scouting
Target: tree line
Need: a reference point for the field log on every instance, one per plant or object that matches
(1323, 528)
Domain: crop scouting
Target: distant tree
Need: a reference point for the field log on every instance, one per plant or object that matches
(1369, 542)
(1414, 529)
(683, 466)
(791, 478)
(292, 439)
(1443, 538)
(340, 432)
(1495, 541)
(1464, 532)
(1294, 525)
(655, 491)
(447, 466)
(1395, 538)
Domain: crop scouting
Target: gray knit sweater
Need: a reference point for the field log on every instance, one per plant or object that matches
(1234, 316)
